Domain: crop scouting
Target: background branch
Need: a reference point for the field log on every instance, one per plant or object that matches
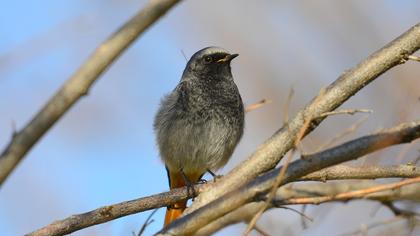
(78, 85)
(351, 150)
(409, 192)
(359, 193)
(365, 172)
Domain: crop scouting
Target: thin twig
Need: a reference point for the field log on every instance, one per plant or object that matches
(302, 219)
(261, 231)
(147, 222)
(272, 194)
(344, 111)
(257, 105)
(348, 131)
(403, 152)
(302, 214)
(414, 58)
(399, 212)
(364, 228)
(286, 108)
(348, 195)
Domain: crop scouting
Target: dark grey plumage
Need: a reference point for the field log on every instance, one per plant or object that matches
(201, 121)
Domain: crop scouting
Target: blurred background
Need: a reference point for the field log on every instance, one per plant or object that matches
(103, 150)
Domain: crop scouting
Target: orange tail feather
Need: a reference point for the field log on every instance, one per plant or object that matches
(174, 213)
(177, 180)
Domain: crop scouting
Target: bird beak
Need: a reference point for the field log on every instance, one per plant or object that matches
(227, 58)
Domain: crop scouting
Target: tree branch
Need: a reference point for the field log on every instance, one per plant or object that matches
(268, 155)
(79, 84)
(351, 150)
(111, 212)
(246, 212)
(367, 172)
(355, 194)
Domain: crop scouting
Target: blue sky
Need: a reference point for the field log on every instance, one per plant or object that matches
(103, 151)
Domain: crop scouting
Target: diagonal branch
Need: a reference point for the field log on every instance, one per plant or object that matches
(351, 150)
(111, 212)
(79, 84)
(268, 155)
(108, 213)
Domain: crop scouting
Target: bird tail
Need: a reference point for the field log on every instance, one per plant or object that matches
(178, 180)
(174, 212)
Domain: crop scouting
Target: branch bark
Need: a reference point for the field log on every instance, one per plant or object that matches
(367, 172)
(111, 212)
(268, 155)
(79, 84)
(351, 150)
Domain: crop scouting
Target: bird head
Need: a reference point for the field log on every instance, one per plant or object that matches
(209, 62)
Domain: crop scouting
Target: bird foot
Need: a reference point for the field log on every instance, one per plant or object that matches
(215, 176)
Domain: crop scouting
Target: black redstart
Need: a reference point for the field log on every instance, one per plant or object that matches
(199, 124)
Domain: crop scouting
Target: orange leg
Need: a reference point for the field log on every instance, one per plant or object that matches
(178, 180)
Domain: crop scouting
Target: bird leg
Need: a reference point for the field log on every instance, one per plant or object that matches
(189, 184)
(215, 176)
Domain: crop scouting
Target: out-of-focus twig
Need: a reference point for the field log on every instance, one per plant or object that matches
(147, 222)
(339, 136)
(79, 84)
(344, 111)
(286, 108)
(257, 105)
(348, 195)
(364, 228)
(414, 58)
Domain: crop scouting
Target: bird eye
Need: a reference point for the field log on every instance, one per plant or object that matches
(208, 59)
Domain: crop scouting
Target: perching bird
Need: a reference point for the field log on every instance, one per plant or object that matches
(199, 124)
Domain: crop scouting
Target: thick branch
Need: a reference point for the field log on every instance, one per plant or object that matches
(111, 212)
(261, 185)
(79, 84)
(268, 155)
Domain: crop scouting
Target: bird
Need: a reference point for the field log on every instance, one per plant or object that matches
(199, 124)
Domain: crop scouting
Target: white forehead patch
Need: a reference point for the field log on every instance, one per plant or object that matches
(210, 50)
